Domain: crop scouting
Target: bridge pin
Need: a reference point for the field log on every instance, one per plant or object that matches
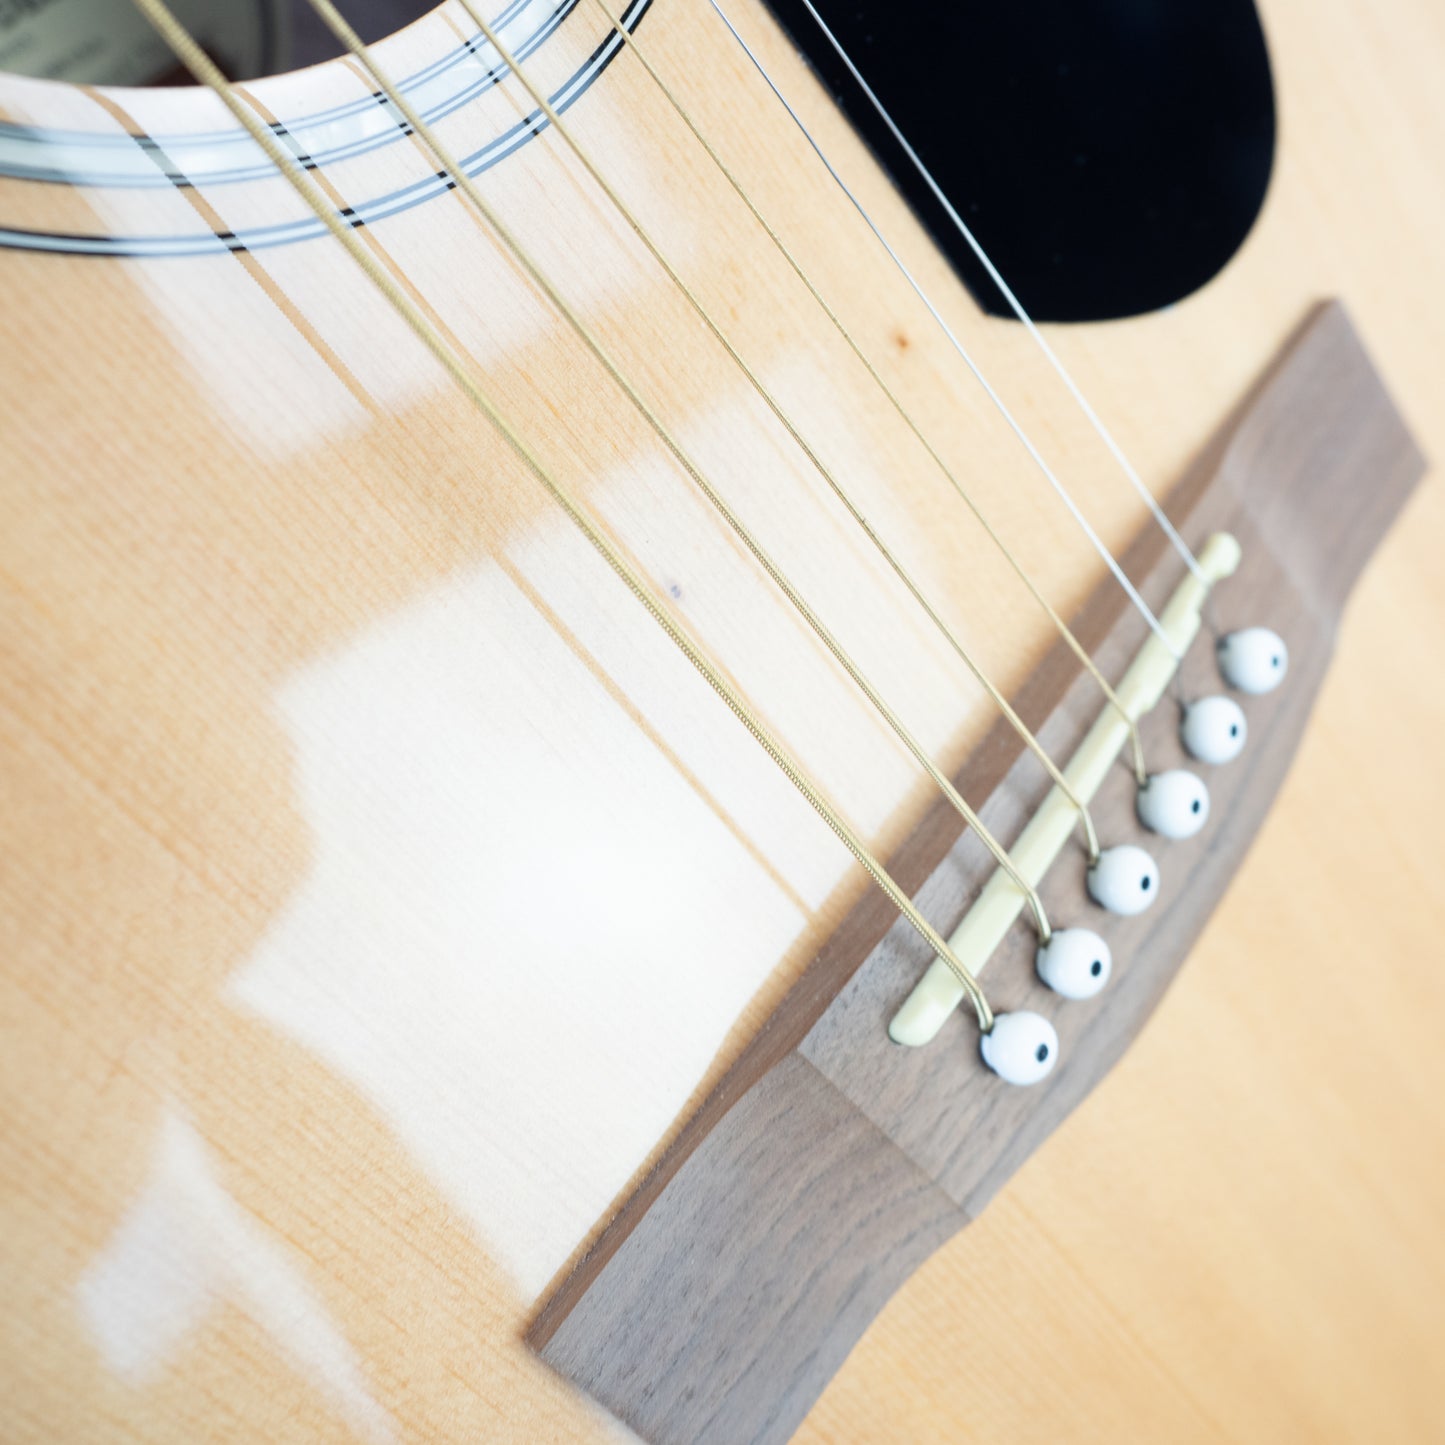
(1074, 962)
(1213, 729)
(1254, 660)
(1174, 804)
(1021, 1047)
(1124, 879)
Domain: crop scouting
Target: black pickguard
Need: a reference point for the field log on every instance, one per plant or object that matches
(1110, 155)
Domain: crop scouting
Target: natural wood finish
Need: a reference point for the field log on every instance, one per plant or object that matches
(828, 1162)
(244, 532)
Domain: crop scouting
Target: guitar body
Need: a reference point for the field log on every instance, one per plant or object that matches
(381, 894)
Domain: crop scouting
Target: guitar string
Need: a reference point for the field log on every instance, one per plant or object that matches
(1108, 558)
(964, 230)
(739, 528)
(344, 33)
(1063, 629)
(357, 48)
(190, 54)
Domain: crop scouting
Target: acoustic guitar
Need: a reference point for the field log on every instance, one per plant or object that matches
(637, 641)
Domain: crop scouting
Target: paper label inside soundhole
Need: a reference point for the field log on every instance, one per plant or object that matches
(108, 42)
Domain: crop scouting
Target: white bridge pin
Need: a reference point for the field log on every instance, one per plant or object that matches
(1174, 804)
(1074, 962)
(1254, 659)
(1213, 729)
(1021, 1047)
(1124, 879)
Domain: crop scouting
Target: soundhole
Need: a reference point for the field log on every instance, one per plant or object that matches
(1110, 155)
(108, 42)
(311, 41)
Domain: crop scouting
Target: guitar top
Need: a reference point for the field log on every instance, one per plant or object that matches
(435, 458)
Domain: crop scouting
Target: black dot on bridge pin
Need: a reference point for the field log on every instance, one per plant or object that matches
(1042, 1052)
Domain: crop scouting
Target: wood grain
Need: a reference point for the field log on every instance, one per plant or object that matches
(244, 531)
(719, 1302)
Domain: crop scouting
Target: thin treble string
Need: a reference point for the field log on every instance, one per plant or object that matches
(348, 37)
(1104, 553)
(200, 65)
(1062, 627)
(1095, 420)
(336, 22)
(959, 803)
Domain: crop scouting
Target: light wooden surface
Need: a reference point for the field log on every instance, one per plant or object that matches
(306, 1100)
(830, 1163)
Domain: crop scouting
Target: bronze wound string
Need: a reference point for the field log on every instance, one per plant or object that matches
(195, 59)
(1015, 305)
(637, 49)
(348, 37)
(1014, 425)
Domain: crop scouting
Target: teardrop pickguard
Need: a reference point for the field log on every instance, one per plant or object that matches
(1110, 156)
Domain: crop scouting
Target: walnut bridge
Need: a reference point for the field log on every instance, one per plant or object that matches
(831, 1162)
